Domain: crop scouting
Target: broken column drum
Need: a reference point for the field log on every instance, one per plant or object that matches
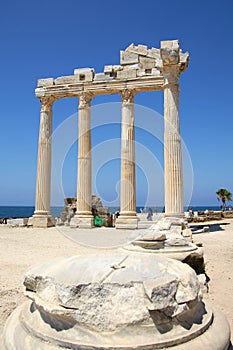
(140, 70)
(135, 301)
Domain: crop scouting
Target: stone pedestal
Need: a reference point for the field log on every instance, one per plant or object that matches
(127, 301)
(41, 217)
(83, 217)
(128, 216)
(127, 222)
(43, 221)
(173, 179)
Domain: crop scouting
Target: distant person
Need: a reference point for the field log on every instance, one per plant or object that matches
(191, 212)
(141, 210)
(150, 214)
(97, 219)
(117, 214)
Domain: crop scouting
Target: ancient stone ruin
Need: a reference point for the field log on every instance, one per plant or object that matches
(115, 301)
(70, 207)
(168, 237)
(141, 69)
(140, 297)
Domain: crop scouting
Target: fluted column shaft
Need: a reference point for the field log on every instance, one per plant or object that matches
(128, 187)
(84, 185)
(174, 202)
(43, 182)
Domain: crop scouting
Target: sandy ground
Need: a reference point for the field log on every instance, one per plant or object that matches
(24, 247)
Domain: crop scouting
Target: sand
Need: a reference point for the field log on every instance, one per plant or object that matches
(25, 247)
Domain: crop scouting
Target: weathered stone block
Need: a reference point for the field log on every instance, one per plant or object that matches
(108, 69)
(70, 79)
(140, 49)
(127, 74)
(153, 53)
(170, 44)
(17, 222)
(74, 222)
(149, 244)
(149, 71)
(155, 71)
(128, 58)
(83, 71)
(82, 222)
(43, 221)
(45, 82)
(117, 67)
(112, 68)
(40, 92)
(133, 66)
(141, 72)
(187, 232)
(152, 235)
(86, 77)
(84, 74)
(214, 215)
(102, 76)
(227, 214)
(147, 63)
(127, 222)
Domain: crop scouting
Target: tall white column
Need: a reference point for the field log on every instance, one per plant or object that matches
(83, 217)
(174, 202)
(41, 217)
(128, 217)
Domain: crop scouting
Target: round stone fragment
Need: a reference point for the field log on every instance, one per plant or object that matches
(113, 301)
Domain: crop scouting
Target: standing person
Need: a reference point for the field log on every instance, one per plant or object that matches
(191, 213)
(150, 214)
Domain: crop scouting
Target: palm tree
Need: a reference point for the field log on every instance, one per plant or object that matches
(224, 195)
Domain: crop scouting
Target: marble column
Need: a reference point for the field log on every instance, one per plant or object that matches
(173, 178)
(128, 217)
(83, 217)
(42, 217)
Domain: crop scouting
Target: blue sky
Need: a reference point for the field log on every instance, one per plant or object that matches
(51, 38)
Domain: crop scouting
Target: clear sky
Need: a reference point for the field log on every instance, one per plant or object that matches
(51, 38)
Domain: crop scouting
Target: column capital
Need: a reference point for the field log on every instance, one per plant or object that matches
(84, 100)
(173, 62)
(127, 96)
(47, 102)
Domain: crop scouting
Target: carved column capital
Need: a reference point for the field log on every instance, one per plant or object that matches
(173, 62)
(127, 96)
(47, 103)
(84, 100)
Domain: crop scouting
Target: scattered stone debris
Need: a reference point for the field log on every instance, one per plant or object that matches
(70, 205)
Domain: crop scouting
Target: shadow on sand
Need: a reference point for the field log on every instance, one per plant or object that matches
(197, 229)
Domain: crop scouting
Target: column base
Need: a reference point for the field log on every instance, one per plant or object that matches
(127, 222)
(174, 215)
(82, 221)
(42, 221)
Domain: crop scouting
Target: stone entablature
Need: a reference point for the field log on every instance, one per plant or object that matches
(140, 69)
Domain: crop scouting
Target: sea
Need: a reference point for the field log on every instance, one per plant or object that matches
(26, 211)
